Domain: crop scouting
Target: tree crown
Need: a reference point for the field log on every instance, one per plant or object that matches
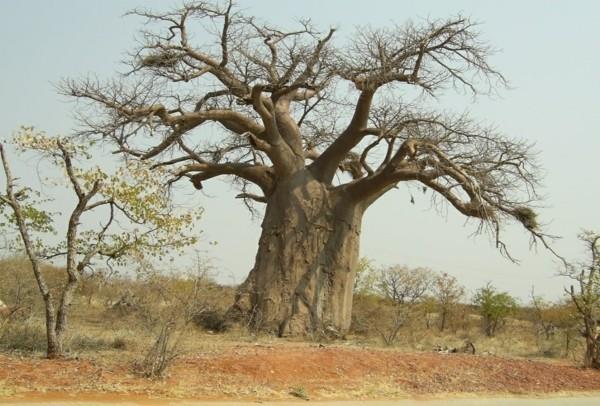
(293, 100)
(136, 214)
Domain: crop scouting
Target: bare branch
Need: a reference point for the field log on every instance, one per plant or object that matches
(257, 198)
(260, 175)
(279, 97)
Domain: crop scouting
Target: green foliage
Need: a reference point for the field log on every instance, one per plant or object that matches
(494, 307)
(138, 216)
(129, 211)
(36, 218)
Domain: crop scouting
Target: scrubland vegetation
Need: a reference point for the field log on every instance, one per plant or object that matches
(150, 317)
(168, 333)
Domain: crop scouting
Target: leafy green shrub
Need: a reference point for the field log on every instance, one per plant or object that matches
(494, 307)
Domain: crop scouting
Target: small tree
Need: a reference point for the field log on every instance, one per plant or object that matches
(447, 293)
(543, 312)
(365, 277)
(399, 288)
(494, 307)
(128, 197)
(586, 297)
(403, 285)
(171, 305)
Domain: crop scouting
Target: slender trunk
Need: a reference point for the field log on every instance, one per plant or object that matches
(305, 267)
(54, 347)
(56, 323)
(71, 267)
(443, 320)
(63, 312)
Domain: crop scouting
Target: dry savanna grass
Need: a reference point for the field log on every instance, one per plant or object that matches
(116, 326)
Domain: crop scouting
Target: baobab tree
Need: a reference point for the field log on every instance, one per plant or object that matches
(317, 132)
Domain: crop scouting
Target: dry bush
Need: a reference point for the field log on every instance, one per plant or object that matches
(18, 287)
(366, 311)
(167, 310)
(402, 302)
(111, 312)
(98, 343)
(106, 326)
(160, 355)
(555, 325)
(447, 292)
(212, 320)
(24, 336)
(404, 285)
(380, 319)
(21, 329)
(376, 321)
(585, 296)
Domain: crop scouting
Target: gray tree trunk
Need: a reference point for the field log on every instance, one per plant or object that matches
(305, 267)
(55, 346)
(591, 358)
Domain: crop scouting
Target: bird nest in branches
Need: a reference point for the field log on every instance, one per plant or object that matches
(526, 216)
(160, 59)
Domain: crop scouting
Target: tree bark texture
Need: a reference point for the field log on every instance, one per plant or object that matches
(306, 262)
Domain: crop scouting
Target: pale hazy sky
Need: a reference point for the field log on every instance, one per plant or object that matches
(550, 52)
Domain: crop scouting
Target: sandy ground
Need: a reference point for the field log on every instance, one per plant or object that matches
(247, 372)
(556, 401)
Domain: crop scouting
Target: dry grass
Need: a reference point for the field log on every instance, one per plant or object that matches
(107, 340)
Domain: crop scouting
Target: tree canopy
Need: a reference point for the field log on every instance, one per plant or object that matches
(288, 100)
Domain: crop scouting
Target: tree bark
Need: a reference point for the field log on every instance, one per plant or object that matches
(54, 347)
(591, 358)
(443, 316)
(305, 267)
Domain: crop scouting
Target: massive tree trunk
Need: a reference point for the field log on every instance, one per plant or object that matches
(305, 267)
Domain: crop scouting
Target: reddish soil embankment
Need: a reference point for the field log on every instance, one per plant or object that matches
(273, 372)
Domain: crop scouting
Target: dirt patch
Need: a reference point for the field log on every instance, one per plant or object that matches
(274, 371)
